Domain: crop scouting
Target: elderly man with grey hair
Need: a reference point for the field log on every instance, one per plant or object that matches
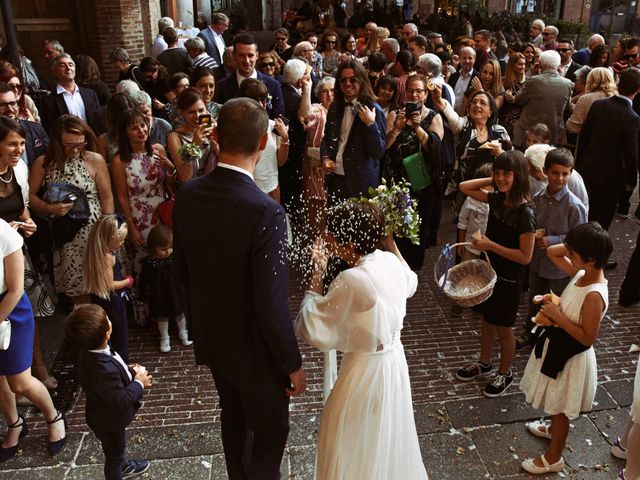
(290, 174)
(390, 48)
(544, 98)
(549, 38)
(431, 66)
(535, 32)
(197, 51)
(159, 128)
(582, 56)
(159, 45)
(212, 36)
(409, 30)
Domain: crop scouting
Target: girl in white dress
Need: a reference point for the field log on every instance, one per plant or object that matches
(561, 375)
(367, 430)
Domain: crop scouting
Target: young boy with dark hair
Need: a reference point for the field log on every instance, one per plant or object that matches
(558, 210)
(113, 389)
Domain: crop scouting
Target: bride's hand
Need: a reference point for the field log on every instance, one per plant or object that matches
(319, 255)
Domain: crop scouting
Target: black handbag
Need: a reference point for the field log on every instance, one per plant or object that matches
(65, 228)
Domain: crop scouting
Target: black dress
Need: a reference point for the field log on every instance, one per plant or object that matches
(505, 225)
(158, 287)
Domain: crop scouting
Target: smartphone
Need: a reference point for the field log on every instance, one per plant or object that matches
(410, 108)
(204, 120)
(284, 120)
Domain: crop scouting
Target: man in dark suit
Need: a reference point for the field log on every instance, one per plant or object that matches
(245, 53)
(568, 67)
(71, 98)
(231, 257)
(482, 39)
(354, 135)
(113, 389)
(212, 36)
(607, 155)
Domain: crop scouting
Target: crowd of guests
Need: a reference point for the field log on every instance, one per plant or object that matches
(530, 138)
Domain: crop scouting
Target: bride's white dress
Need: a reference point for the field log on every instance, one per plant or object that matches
(367, 430)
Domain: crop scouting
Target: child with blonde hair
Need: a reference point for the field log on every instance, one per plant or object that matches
(104, 279)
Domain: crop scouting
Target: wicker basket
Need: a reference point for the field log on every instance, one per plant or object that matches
(469, 283)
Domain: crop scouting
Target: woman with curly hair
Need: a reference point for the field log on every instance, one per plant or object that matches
(490, 81)
(269, 65)
(600, 57)
(27, 110)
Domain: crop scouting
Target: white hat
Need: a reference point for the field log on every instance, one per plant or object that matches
(537, 153)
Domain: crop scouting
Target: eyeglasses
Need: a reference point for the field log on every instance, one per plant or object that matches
(71, 146)
(16, 87)
(332, 42)
(631, 55)
(8, 104)
(563, 50)
(415, 90)
(351, 80)
(268, 65)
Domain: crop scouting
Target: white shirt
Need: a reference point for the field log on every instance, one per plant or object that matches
(219, 42)
(345, 128)
(159, 46)
(10, 242)
(266, 172)
(237, 169)
(459, 90)
(74, 101)
(118, 358)
(562, 69)
(474, 216)
(240, 78)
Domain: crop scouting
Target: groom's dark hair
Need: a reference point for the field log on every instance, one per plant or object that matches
(241, 124)
(360, 223)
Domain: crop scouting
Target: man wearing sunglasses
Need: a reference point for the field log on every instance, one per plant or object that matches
(568, 67)
(632, 53)
(354, 135)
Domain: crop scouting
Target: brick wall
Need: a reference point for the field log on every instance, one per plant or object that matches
(577, 11)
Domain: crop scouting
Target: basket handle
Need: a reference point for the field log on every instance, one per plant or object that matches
(486, 256)
(446, 274)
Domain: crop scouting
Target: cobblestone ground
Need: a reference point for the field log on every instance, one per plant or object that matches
(463, 435)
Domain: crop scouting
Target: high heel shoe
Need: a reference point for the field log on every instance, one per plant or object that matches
(8, 452)
(55, 447)
(50, 382)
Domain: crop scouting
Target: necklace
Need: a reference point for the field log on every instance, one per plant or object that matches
(10, 176)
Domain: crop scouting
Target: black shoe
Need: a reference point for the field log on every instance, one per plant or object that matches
(133, 468)
(498, 385)
(8, 452)
(611, 264)
(55, 447)
(473, 370)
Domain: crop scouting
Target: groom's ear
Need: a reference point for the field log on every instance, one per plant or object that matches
(263, 141)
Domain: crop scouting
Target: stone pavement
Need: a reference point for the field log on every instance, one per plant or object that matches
(463, 435)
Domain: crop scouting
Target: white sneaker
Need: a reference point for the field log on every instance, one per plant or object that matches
(165, 345)
(184, 338)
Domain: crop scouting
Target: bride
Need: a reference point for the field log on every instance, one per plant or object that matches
(367, 430)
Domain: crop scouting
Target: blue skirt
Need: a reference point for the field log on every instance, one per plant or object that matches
(17, 358)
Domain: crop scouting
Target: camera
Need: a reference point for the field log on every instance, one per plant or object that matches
(410, 108)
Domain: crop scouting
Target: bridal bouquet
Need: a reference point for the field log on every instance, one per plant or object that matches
(399, 209)
(190, 152)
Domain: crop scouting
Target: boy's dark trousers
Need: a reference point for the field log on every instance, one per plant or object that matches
(114, 445)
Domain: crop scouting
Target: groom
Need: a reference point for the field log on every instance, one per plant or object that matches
(231, 258)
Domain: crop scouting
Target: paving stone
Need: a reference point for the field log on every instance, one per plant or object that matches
(192, 468)
(160, 442)
(33, 453)
(488, 411)
(302, 462)
(586, 446)
(44, 473)
(442, 460)
(504, 447)
(621, 391)
(303, 429)
(611, 423)
(431, 418)
(219, 467)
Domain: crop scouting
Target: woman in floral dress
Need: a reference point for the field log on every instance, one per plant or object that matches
(138, 174)
(70, 159)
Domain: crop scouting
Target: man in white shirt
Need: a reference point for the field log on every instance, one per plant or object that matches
(568, 67)
(69, 98)
(461, 80)
(212, 36)
(159, 45)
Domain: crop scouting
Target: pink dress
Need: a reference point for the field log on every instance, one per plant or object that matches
(313, 192)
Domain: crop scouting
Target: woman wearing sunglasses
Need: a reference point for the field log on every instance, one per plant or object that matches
(268, 64)
(27, 110)
(330, 53)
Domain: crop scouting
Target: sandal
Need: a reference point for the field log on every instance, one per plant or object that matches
(7, 452)
(56, 446)
(50, 382)
(539, 429)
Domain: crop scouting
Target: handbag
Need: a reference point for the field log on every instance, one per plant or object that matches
(5, 334)
(65, 228)
(417, 172)
(164, 211)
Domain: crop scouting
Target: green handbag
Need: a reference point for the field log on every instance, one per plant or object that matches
(417, 172)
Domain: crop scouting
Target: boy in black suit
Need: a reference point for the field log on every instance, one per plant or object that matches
(113, 390)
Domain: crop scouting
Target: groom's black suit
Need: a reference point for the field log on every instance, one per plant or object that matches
(230, 255)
